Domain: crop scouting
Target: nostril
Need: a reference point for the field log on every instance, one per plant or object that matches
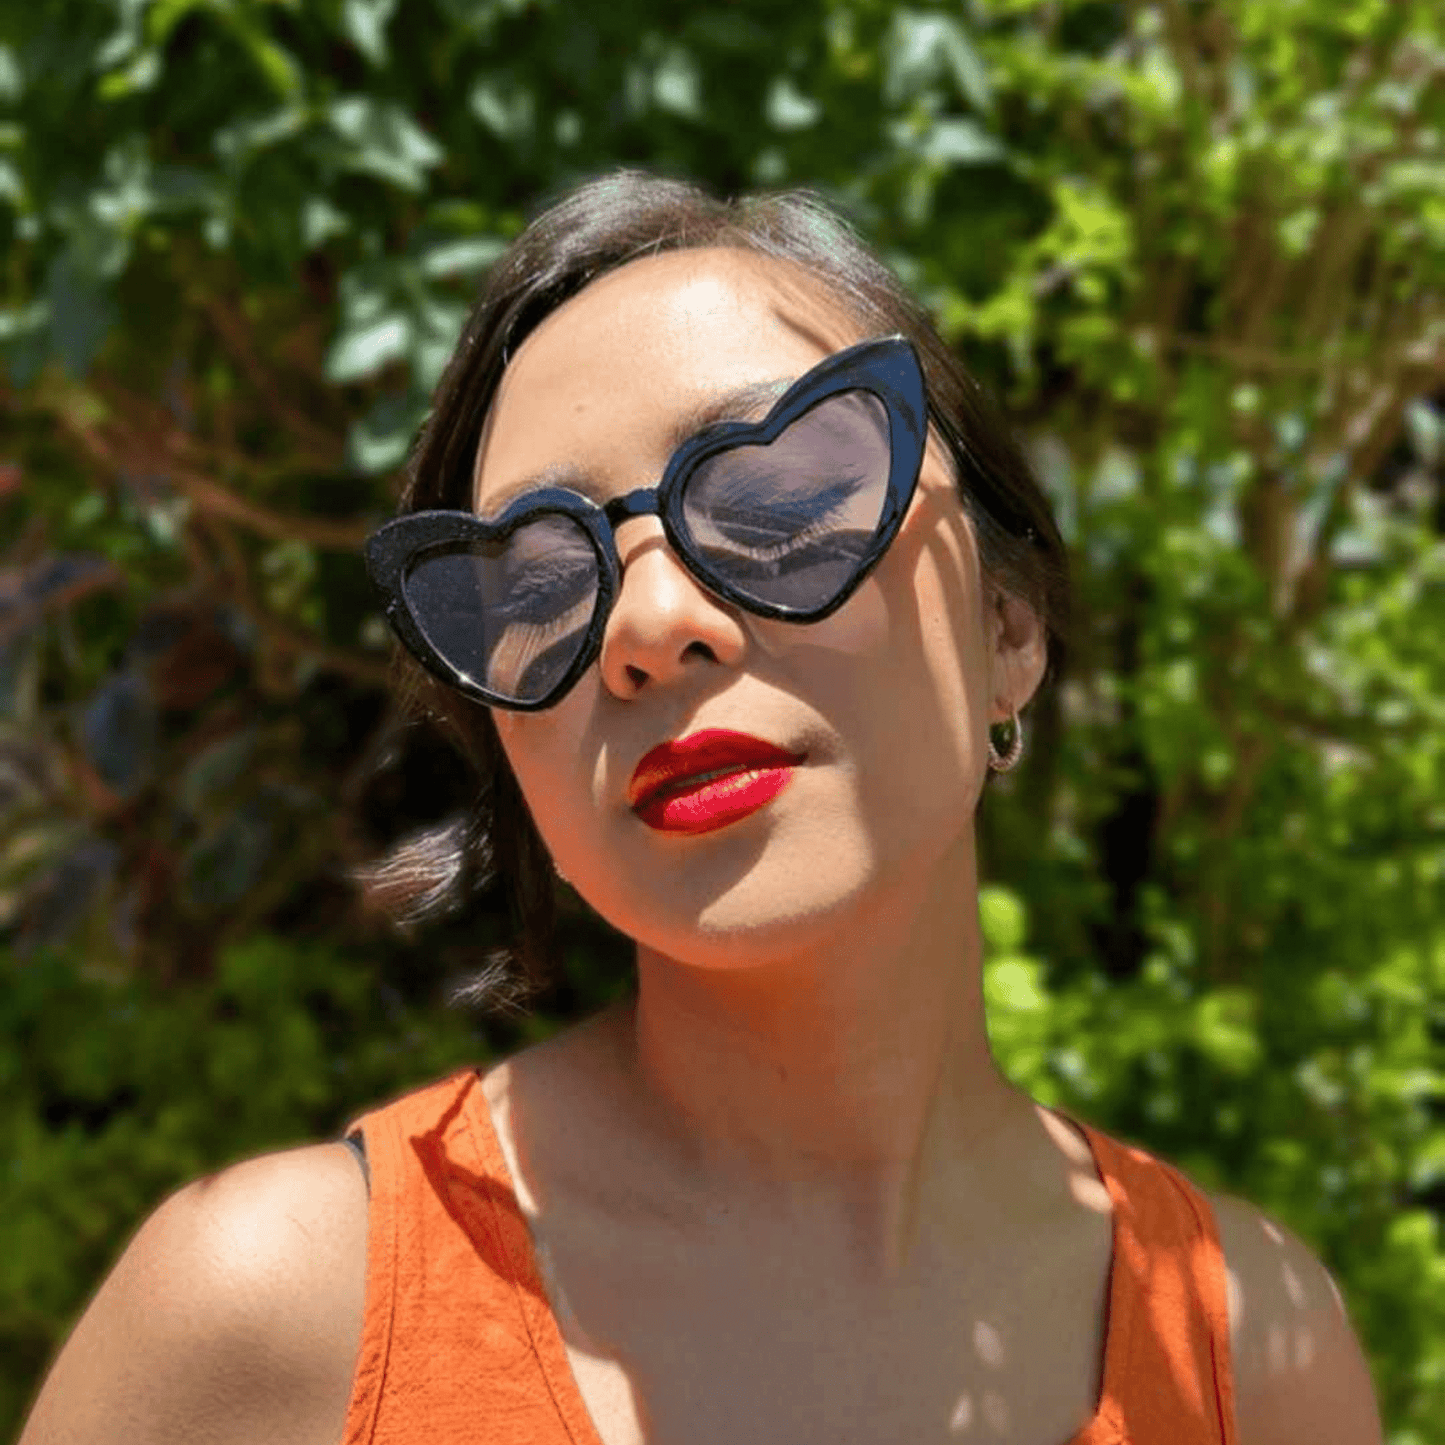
(635, 675)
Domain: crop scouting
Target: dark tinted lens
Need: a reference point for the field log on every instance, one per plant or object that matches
(788, 523)
(511, 615)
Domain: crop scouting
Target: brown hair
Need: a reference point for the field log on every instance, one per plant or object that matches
(591, 230)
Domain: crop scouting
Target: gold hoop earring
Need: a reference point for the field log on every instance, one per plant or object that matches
(1001, 763)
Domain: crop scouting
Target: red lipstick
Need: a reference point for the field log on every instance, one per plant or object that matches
(708, 780)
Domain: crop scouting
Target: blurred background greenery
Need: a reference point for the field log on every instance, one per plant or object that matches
(1197, 250)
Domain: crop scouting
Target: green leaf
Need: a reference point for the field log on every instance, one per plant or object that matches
(12, 78)
(1426, 429)
(1014, 983)
(923, 48)
(960, 142)
(320, 221)
(24, 340)
(128, 36)
(677, 84)
(506, 108)
(1002, 919)
(366, 350)
(788, 109)
(174, 189)
(464, 256)
(139, 75)
(381, 440)
(281, 69)
(1224, 1030)
(438, 324)
(364, 23)
(242, 138)
(162, 16)
(12, 183)
(382, 140)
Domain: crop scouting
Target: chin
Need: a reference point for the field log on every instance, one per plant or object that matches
(751, 908)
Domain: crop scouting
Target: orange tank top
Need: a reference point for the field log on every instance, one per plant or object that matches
(459, 1344)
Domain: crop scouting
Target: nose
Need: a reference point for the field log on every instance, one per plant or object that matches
(664, 623)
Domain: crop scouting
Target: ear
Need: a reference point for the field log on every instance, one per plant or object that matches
(1018, 648)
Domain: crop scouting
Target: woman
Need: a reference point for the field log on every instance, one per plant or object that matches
(728, 571)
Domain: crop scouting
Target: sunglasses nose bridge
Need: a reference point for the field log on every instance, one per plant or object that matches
(639, 503)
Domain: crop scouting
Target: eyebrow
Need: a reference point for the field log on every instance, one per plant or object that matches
(742, 403)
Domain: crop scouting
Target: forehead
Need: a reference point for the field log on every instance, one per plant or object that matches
(601, 383)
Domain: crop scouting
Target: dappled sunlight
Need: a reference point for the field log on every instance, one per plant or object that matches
(1089, 1190)
(962, 1416)
(1292, 1286)
(995, 1412)
(987, 1344)
(1291, 1341)
(1289, 1349)
(991, 1409)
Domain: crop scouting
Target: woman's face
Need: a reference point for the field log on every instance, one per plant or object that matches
(885, 704)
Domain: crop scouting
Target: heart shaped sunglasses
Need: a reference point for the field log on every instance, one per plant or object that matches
(783, 517)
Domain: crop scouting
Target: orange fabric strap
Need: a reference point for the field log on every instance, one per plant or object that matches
(1167, 1373)
(458, 1343)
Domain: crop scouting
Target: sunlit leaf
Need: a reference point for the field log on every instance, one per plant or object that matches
(462, 256)
(677, 84)
(1002, 919)
(923, 48)
(961, 142)
(247, 134)
(365, 351)
(364, 23)
(382, 140)
(506, 108)
(788, 108)
(1013, 983)
(12, 80)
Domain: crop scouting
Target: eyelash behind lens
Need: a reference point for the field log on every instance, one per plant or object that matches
(539, 588)
(782, 549)
(834, 500)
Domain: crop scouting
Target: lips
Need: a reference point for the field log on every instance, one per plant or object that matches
(708, 779)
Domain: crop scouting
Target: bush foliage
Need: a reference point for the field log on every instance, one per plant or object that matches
(1195, 245)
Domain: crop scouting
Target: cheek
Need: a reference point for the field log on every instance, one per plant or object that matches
(901, 670)
(545, 753)
(950, 612)
(925, 613)
(932, 668)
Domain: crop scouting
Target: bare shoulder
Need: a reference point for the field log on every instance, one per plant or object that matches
(1299, 1370)
(233, 1315)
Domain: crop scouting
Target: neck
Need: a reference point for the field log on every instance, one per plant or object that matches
(844, 1085)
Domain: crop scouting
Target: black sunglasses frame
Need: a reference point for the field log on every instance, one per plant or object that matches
(888, 368)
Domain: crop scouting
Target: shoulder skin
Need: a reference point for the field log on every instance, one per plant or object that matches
(233, 1316)
(1299, 1370)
